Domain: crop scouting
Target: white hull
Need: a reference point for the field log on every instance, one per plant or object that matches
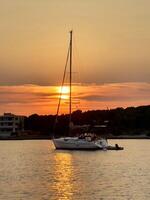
(77, 144)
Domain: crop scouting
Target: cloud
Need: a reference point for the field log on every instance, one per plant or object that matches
(28, 99)
(116, 92)
(26, 94)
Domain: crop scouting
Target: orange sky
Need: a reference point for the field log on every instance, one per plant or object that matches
(111, 40)
(29, 99)
(111, 45)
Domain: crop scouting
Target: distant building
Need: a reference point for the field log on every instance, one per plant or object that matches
(11, 124)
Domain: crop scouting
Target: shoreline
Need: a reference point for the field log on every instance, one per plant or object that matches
(49, 138)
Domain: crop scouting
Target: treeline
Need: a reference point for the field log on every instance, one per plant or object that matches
(119, 121)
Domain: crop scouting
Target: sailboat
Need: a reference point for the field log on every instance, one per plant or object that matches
(86, 141)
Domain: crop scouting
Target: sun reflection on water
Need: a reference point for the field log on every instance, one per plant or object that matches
(63, 184)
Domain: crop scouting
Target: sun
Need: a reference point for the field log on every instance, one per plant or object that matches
(64, 90)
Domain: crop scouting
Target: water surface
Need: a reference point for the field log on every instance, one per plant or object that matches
(33, 170)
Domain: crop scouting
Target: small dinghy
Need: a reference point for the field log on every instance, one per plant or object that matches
(116, 147)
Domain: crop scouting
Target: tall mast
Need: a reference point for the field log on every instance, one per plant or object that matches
(70, 105)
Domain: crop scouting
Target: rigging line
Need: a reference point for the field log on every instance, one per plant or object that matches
(63, 80)
(70, 103)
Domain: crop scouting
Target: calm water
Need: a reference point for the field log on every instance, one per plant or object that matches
(34, 170)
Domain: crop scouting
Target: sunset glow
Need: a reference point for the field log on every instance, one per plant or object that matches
(111, 40)
(29, 99)
(64, 96)
(74, 92)
(64, 90)
(111, 45)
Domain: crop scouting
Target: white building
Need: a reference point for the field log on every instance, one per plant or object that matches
(11, 124)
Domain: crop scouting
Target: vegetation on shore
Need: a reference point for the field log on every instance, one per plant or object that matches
(130, 121)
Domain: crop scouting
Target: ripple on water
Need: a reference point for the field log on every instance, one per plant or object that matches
(34, 170)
